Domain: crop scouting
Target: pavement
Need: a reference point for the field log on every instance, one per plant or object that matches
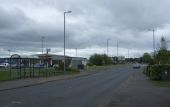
(139, 91)
(20, 83)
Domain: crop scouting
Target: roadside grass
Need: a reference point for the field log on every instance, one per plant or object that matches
(6, 74)
(162, 83)
(91, 68)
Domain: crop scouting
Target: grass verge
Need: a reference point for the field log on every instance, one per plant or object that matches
(91, 68)
(162, 83)
(5, 74)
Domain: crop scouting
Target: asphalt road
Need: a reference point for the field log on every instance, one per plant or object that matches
(89, 91)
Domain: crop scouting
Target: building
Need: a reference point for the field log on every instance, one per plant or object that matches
(119, 59)
(78, 62)
(20, 60)
(49, 60)
(52, 59)
(56, 60)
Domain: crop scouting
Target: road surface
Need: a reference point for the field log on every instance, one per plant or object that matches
(89, 91)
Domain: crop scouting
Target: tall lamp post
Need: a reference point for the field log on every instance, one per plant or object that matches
(107, 47)
(64, 39)
(76, 51)
(128, 53)
(117, 49)
(153, 30)
(167, 42)
(42, 39)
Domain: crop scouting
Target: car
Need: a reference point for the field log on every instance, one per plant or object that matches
(4, 65)
(38, 65)
(136, 66)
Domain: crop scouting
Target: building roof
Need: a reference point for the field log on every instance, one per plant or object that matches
(24, 56)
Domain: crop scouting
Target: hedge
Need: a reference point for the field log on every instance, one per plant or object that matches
(155, 71)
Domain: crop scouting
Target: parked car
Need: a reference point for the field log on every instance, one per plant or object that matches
(4, 65)
(38, 65)
(136, 66)
(14, 65)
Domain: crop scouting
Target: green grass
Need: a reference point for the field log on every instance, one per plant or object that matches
(162, 83)
(5, 74)
(102, 67)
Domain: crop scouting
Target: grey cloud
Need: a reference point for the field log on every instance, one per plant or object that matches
(11, 19)
(90, 24)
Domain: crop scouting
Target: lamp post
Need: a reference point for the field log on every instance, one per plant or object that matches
(117, 49)
(128, 53)
(107, 47)
(42, 38)
(76, 51)
(9, 52)
(167, 42)
(64, 39)
(153, 30)
(47, 57)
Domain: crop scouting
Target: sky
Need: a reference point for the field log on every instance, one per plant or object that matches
(92, 22)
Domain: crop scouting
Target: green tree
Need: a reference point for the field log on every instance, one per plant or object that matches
(146, 58)
(100, 59)
(162, 57)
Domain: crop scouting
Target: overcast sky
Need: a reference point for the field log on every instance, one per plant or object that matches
(91, 23)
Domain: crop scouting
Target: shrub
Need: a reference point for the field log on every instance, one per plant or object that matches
(72, 70)
(155, 71)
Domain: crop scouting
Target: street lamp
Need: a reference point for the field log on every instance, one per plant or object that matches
(128, 53)
(167, 42)
(153, 30)
(9, 52)
(76, 51)
(64, 38)
(42, 38)
(107, 47)
(117, 48)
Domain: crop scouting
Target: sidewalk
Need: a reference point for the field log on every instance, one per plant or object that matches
(7, 85)
(138, 91)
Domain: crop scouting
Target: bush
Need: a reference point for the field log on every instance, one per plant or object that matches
(155, 71)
